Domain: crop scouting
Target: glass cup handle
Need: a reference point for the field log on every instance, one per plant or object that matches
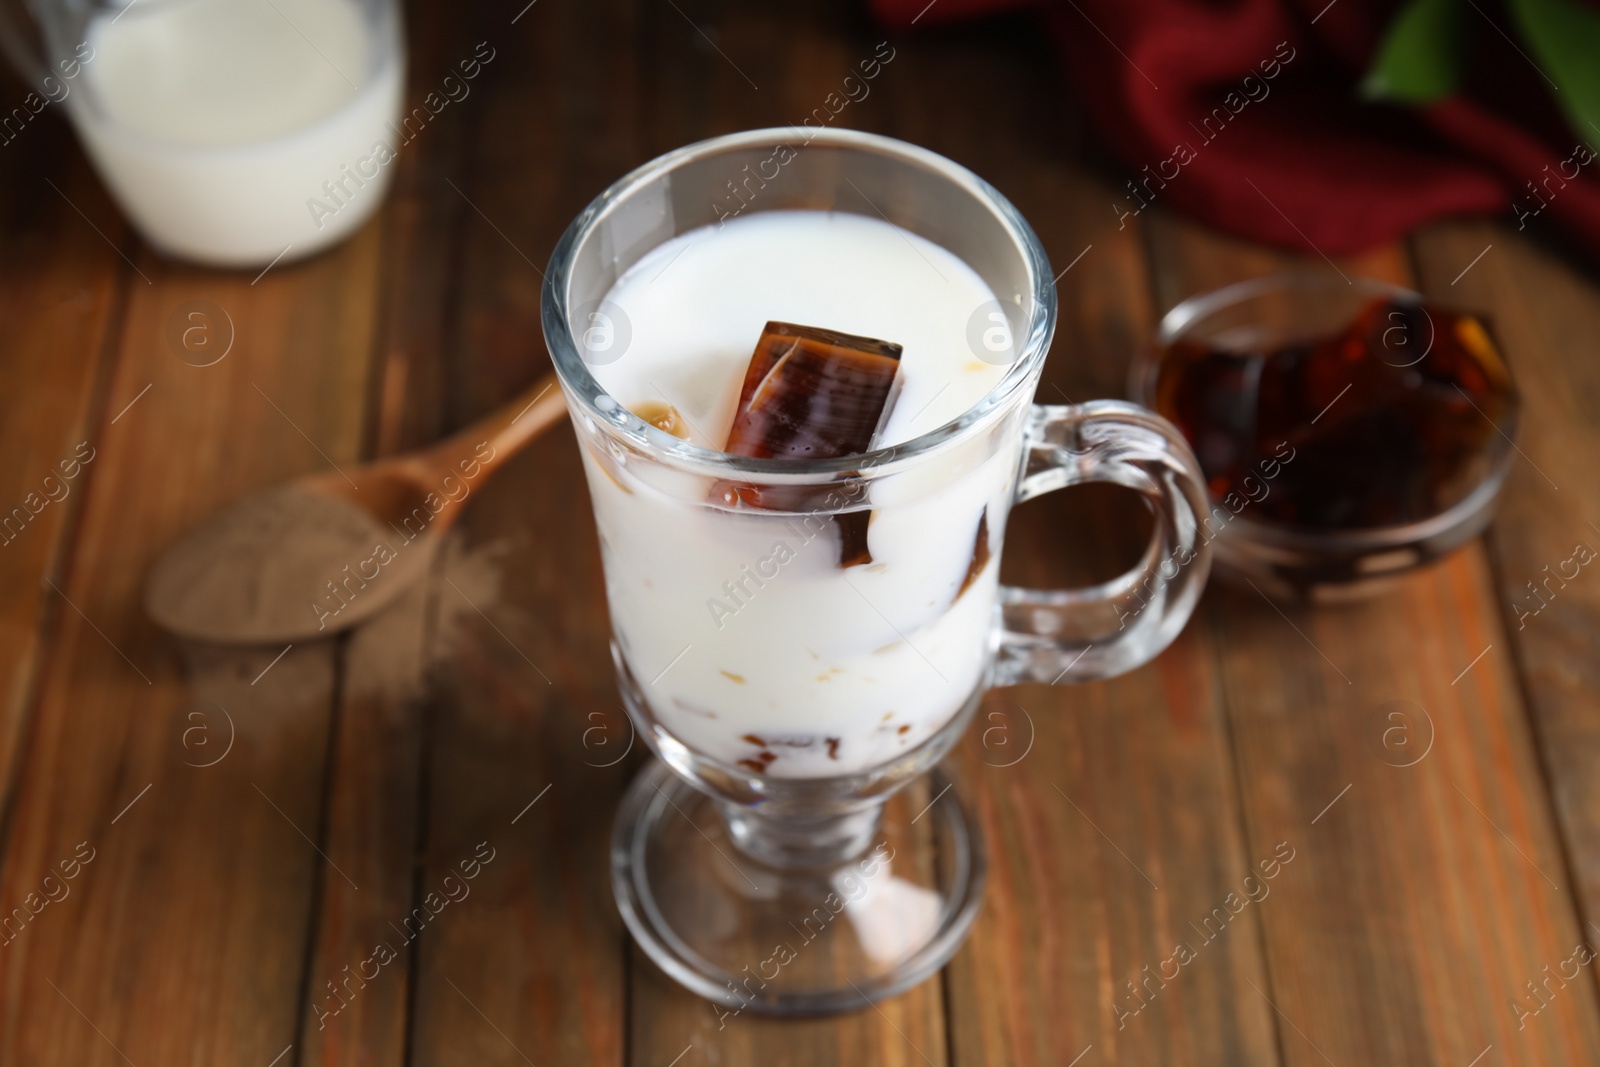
(1050, 635)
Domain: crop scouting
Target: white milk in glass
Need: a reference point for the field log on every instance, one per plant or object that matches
(216, 122)
(743, 631)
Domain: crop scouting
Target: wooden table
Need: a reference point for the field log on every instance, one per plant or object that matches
(219, 893)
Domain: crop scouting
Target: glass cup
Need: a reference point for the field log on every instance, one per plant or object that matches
(232, 132)
(753, 861)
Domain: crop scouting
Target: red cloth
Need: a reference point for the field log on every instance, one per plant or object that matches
(1298, 159)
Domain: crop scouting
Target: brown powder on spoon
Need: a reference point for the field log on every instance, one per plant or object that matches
(279, 565)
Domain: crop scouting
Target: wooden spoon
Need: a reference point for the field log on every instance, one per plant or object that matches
(322, 553)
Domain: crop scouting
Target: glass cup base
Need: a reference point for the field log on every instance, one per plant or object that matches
(753, 930)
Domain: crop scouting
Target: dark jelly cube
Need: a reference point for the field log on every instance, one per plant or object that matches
(811, 393)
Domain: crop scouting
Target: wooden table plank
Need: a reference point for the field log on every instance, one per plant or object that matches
(531, 964)
(1419, 901)
(376, 775)
(196, 903)
(61, 294)
(533, 959)
(1545, 310)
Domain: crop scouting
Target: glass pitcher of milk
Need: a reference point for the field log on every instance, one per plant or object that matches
(233, 132)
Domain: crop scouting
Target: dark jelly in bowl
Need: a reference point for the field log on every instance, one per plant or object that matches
(1348, 432)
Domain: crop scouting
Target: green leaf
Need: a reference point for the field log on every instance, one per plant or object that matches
(1422, 55)
(1564, 38)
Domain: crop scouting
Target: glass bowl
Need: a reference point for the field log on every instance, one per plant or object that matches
(1387, 448)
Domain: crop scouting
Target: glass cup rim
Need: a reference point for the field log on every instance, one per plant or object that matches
(1191, 311)
(594, 403)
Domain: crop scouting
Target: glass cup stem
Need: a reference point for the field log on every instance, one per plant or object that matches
(790, 843)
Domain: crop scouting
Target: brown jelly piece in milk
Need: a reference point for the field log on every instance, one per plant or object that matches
(980, 552)
(812, 393)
